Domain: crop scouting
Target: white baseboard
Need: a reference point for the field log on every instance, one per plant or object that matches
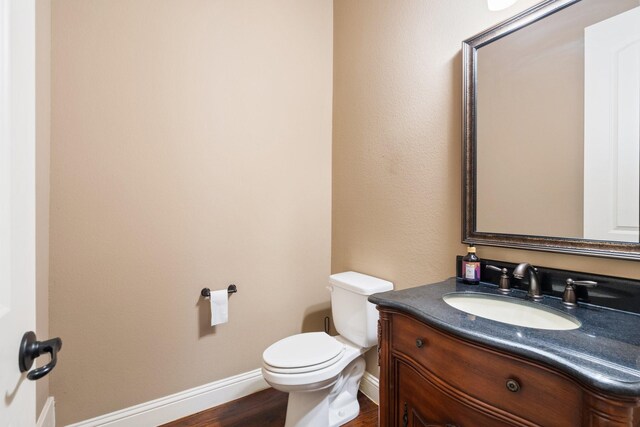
(370, 387)
(188, 402)
(47, 417)
(181, 404)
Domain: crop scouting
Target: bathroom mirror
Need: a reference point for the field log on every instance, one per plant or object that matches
(551, 129)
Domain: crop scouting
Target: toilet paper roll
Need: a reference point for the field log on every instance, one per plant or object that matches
(219, 307)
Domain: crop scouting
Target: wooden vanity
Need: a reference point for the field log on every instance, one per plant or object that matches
(430, 377)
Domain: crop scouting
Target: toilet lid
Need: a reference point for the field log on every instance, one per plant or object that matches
(303, 350)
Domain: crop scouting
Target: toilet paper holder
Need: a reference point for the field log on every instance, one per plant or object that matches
(206, 292)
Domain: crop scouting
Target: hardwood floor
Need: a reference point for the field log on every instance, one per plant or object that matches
(266, 408)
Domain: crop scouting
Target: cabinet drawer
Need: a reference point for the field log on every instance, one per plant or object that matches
(421, 404)
(535, 393)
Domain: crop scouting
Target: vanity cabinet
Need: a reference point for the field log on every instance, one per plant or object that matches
(429, 377)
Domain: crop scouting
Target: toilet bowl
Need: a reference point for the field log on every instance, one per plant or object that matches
(314, 388)
(322, 373)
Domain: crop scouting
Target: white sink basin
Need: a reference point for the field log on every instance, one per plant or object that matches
(512, 311)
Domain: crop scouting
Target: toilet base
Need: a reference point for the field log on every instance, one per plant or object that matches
(329, 407)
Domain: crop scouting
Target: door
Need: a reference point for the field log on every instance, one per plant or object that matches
(612, 128)
(17, 206)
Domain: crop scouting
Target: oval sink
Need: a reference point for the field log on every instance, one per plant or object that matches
(512, 311)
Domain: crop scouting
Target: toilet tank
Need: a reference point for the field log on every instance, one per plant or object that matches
(355, 318)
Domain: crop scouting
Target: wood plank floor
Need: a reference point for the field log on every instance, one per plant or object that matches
(266, 408)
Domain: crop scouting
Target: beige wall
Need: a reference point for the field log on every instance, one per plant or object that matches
(530, 129)
(191, 147)
(43, 137)
(397, 134)
(397, 142)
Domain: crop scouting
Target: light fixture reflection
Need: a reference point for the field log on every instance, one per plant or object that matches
(494, 5)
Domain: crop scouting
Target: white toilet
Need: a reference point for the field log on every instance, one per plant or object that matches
(322, 373)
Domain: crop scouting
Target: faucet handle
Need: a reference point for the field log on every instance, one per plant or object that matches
(493, 267)
(505, 283)
(586, 283)
(569, 298)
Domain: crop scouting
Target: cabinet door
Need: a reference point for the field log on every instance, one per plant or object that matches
(422, 404)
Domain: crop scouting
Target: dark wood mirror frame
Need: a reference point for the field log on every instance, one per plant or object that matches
(470, 234)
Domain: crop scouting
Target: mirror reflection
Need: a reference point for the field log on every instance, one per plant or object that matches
(558, 126)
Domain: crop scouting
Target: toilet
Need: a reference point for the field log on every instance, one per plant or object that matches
(320, 372)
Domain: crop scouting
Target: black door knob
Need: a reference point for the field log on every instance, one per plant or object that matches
(31, 349)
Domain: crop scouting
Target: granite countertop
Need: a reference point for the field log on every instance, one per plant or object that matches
(603, 353)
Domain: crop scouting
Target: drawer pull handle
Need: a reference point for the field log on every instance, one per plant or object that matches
(513, 385)
(419, 343)
(405, 416)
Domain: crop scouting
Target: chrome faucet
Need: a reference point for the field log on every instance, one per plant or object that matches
(535, 289)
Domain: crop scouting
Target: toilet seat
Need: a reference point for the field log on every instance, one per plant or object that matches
(313, 377)
(302, 353)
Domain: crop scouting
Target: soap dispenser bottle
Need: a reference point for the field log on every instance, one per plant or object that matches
(471, 267)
